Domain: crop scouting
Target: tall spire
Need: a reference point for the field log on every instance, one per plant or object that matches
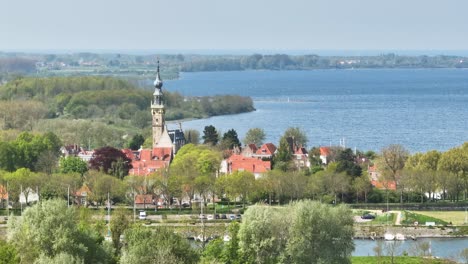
(158, 82)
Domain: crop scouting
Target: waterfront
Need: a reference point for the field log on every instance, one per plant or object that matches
(422, 109)
(440, 247)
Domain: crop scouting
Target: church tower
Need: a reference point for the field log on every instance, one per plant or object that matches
(157, 110)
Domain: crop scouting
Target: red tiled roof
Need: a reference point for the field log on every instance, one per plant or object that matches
(145, 154)
(83, 191)
(324, 151)
(252, 147)
(384, 185)
(129, 153)
(162, 153)
(254, 165)
(143, 199)
(300, 151)
(142, 168)
(266, 149)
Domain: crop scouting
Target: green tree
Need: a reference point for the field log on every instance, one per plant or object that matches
(72, 164)
(210, 135)
(8, 253)
(49, 228)
(391, 163)
(7, 156)
(329, 232)
(230, 140)
(119, 223)
(161, 246)
(192, 136)
(254, 136)
(298, 135)
(282, 159)
(136, 142)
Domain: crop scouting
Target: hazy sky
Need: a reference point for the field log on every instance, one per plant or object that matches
(235, 24)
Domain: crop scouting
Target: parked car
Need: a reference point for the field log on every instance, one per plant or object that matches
(223, 216)
(142, 215)
(368, 216)
(210, 217)
(202, 216)
(216, 216)
(232, 217)
(238, 216)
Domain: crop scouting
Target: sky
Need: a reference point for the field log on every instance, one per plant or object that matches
(260, 25)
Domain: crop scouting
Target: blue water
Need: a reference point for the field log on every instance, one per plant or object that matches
(449, 248)
(422, 109)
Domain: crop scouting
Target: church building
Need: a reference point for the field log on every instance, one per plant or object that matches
(166, 142)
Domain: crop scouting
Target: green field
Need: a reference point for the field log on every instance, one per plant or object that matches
(409, 218)
(456, 217)
(399, 260)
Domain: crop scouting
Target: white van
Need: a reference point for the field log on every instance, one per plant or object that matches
(142, 215)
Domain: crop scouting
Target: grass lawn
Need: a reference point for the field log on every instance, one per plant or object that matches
(399, 260)
(411, 217)
(456, 217)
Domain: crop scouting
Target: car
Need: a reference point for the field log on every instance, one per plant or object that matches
(368, 216)
(142, 215)
(210, 217)
(202, 216)
(223, 216)
(238, 217)
(216, 216)
(232, 217)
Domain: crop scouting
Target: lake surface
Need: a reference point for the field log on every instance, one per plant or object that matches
(422, 109)
(440, 247)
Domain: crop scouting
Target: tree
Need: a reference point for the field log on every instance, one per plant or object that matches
(230, 140)
(118, 225)
(49, 229)
(298, 135)
(346, 163)
(101, 185)
(156, 246)
(391, 162)
(455, 161)
(111, 161)
(254, 136)
(7, 156)
(210, 135)
(282, 159)
(72, 164)
(329, 232)
(277, 235)
(192, 136)
(8, 253)
(136, 142)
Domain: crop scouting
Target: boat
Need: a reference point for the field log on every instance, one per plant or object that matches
(400, 237)
(388, 236)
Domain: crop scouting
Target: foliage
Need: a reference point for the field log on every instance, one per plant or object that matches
(411, 217)
(192, 136)
(118, 225)
(230, 140)
(273, 235)
(254, 136)
(72, 164)
(299, 137)
(329, 232)
(50, 229)
(136, 142)
(8, 253)
(210, 135)
(29, 149)
(111, 161)
(161, 246)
